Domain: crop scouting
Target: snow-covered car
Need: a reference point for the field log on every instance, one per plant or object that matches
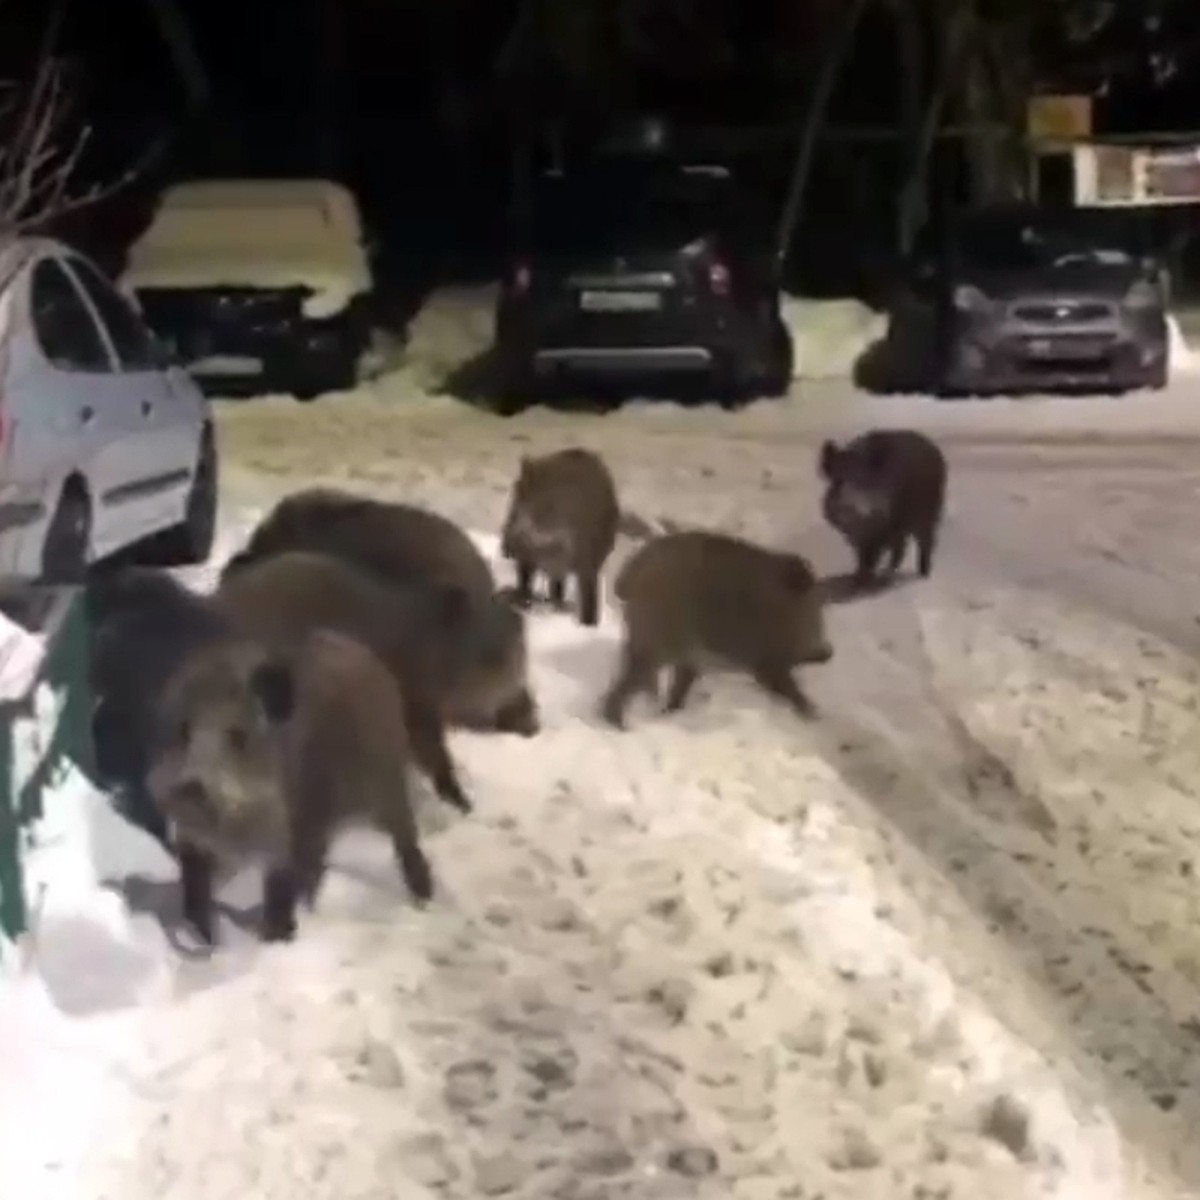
(258, 285)
(105, 446)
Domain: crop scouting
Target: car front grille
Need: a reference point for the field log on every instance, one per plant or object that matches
(1064, 312)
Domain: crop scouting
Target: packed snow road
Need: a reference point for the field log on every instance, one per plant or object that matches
(944, 941)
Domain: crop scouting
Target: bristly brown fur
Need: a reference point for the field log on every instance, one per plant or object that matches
(562, 520)
(263, 756)
(449, 661)
(400, 544)
(883, 488)
(698, 599)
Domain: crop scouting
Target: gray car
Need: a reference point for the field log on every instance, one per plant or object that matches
(1021, 298)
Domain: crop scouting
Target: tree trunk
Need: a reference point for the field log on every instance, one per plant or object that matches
(913, 81)
(914, 196)
(836, 49)
(177, 35)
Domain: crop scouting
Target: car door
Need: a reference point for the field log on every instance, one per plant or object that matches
(92, 419)
(165, 431)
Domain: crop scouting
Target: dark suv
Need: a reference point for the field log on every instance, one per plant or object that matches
(634, 267)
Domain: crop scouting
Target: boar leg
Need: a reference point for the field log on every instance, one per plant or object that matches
(308, 859)
(868, 559)
(926, 544)
(394, 814)
(589, 599)
(636, 674)
(428, 736)
(280, 892)
(683, 679)
(780, 682)
(896, 553)
(558, 591)
(196, 883)
(524, 589)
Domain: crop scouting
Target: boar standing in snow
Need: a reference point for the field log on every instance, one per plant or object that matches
(260, 758)
(882, 488)
(562, 520)
(447, 657)
(399, 543)
(142, 624)
(696, 600)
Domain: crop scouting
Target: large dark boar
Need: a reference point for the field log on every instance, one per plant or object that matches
(562, 520)
(696, 600)
(142, 624)
(452, 660)
(261, 758)
(398, 543)
(882, 488)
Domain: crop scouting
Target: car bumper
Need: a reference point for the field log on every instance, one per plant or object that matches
(1052, 361)
(220, 339)
(614, 344)
(300, 352)
(623, 359)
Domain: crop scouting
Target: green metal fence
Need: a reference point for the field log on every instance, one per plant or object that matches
(26, 781)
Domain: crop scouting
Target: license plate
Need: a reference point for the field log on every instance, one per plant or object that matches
(620, 301)
(227, 364)
(1064, 348)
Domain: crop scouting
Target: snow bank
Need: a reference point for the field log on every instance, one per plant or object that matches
(453, 327)
(680, 961)
(242, 233)
(830, 335)
(1184, 359)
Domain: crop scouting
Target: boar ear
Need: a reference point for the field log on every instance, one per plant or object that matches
(827, 460)
(274, 686)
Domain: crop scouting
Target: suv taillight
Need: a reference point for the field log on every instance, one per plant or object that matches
(718, 279)
(522, 277)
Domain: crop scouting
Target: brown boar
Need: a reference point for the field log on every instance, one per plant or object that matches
(562, 520)
(697, 600)
(450, 659)
(883, 488)
(262, 757)
(397, 543)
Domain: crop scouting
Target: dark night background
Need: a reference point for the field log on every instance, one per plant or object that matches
(420, 107)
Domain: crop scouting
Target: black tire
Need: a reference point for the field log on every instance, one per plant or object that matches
(517, 386)
(1157, 376)
(68, 537)
(337, 373)
(780, 362)
(192, 540)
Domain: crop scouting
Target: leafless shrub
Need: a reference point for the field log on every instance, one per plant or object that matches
(42, 141)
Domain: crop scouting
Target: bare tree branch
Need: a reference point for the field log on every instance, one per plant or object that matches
(41, 145)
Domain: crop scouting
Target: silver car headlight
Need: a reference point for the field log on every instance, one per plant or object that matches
(1142, 295)
(968, 298)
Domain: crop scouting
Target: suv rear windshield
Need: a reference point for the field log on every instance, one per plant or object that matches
(626, 209)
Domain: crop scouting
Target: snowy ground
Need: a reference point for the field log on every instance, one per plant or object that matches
(943, 942)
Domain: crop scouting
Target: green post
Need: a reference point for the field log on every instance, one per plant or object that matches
(64, 670)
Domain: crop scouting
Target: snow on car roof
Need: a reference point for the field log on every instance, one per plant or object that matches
(254, 232)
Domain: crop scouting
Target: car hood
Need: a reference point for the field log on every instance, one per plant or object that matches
(1085, 279)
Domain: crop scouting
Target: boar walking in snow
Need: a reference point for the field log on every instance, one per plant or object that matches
(697, 600)
(883, 488)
